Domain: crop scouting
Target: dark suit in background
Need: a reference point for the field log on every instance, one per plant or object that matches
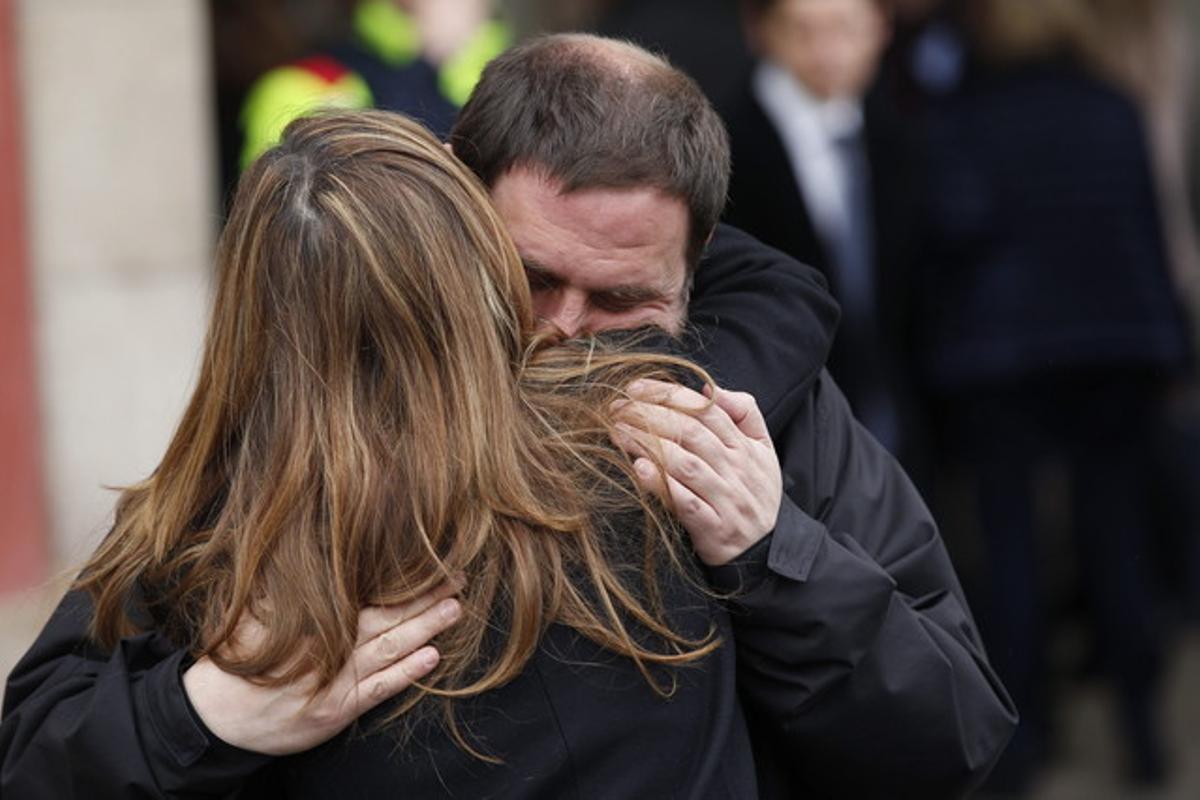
(871, 350)
(1049, 330)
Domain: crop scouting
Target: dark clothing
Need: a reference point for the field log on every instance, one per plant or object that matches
(411, 89)
(709, 46)
(765, 199)
(898, 632)
(578, 722)
(870, 351)
(1045, 245)
(1099, 424)
(1049, 327)
(760, 323)
(849, 660)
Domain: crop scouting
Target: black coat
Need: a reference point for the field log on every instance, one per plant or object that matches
(851, 665)
(1044, 246)
(766, 201)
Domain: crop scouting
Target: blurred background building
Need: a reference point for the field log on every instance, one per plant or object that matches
(124, 124)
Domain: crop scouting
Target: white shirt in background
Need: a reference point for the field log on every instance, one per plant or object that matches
(810, 129)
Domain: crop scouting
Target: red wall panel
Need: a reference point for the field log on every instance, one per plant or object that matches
(23, 550)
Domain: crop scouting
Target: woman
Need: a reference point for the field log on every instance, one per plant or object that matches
(376, 425)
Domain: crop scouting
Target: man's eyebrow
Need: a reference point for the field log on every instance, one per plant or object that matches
(539, 270)
(634, 293)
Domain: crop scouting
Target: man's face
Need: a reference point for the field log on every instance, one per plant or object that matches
(831, 46)
(598, 259)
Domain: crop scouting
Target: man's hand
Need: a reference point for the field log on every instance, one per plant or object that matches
(722, 477)
(391, 654)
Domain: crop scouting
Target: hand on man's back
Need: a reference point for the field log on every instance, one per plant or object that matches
(392, 652)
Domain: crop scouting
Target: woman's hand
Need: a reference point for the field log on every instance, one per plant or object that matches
(391, 653)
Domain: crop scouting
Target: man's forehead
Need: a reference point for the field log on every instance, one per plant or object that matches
(624, 215)
(628, 236)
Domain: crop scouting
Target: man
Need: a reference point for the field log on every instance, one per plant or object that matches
(863, 674)
(819, 173)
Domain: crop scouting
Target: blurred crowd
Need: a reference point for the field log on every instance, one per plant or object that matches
(1001, 195)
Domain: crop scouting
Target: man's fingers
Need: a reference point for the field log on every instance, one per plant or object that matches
(685, 404)
(680, 463)
(649, 390)
(379, 686)
(398, 642)
(692, 511)
(743, 411)
(374, 620)
(694, 433)
(694, 473)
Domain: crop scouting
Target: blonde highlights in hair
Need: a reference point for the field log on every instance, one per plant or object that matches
(375, 414)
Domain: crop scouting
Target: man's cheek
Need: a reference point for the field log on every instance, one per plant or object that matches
(542, 305)
(674, 317)
(668, 318)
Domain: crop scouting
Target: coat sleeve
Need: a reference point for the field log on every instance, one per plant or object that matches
(79, 722)
(857, 654)
(742, 289)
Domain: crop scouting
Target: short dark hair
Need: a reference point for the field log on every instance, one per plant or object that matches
(598, 113)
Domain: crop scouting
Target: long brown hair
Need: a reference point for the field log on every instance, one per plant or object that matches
(374, 414)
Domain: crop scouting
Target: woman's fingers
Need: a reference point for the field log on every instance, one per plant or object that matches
(373, 689)
(391, 661)
(403, 639)
(374, 620)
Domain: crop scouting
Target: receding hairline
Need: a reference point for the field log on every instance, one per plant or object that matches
(620, 57)
(595, 112)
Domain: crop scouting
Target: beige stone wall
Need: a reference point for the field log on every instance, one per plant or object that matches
(121, 182)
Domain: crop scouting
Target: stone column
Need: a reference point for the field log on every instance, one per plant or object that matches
(122, 214)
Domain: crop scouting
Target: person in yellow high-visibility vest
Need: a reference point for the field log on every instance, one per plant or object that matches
(420, 57)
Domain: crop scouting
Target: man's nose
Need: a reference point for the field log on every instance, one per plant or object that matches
(569, 312)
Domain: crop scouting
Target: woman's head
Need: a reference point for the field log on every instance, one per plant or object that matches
(370, 318)
(363, 263)
(374, 413)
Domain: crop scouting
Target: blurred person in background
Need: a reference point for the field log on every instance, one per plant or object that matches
(700, 37)
(1188, 15)
(820, 173)
(419, 57)
(1050, 331)
(1149, 48)
(1191, 21)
